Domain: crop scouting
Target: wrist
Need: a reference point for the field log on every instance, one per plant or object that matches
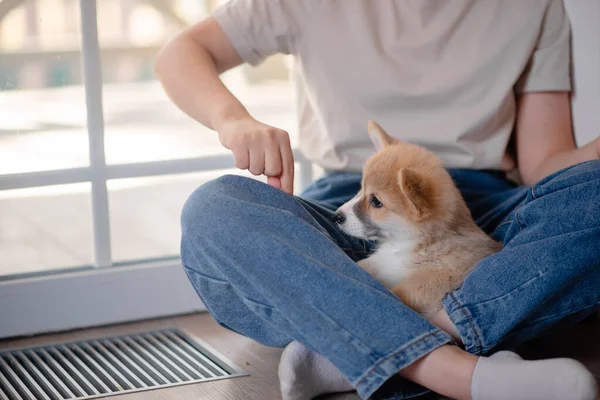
(228, 114)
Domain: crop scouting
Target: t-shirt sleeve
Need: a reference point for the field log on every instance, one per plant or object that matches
(550, 64)
(259, 28)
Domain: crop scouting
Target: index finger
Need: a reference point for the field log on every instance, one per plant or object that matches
(287, 167)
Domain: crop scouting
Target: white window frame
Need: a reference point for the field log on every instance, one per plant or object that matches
(107, 293)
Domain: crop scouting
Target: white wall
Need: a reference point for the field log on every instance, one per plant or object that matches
(585, 21)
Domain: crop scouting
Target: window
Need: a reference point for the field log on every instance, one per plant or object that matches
(95, 162)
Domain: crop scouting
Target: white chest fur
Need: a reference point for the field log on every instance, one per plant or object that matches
(391, 262)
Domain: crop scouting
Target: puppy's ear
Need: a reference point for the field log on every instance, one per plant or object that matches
(417, 191)
(378, 136)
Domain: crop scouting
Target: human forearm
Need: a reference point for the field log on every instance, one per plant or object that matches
(544, 136)
(190, 78)
(563, 159)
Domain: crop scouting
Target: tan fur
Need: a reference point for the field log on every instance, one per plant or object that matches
(411, 182)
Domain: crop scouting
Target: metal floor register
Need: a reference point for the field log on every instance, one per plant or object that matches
(112, 365)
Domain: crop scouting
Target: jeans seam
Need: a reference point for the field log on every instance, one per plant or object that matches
(472, 325)
(221, 281)
(510, 221)
(373, 368)
(503, 223)
(208, 308)
(260, 304)
(532, 191)
(516, 219)
(510, 292)
(352, 339)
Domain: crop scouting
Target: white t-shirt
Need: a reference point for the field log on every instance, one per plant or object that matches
(442, 74)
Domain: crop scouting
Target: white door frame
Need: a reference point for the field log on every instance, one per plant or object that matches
(104, 293)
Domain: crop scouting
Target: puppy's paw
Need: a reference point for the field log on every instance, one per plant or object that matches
(409, 294)
(417, 292)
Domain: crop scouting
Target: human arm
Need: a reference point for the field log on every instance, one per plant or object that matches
(543, 127)
(544, 136)
(188, 68)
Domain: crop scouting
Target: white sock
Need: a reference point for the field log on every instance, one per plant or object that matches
(505, 375)
(304, 374)
(506, 355)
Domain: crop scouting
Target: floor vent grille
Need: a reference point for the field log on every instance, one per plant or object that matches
(111, 365)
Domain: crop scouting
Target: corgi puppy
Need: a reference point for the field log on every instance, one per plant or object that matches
(427, 239)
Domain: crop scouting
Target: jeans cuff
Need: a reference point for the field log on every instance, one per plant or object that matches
(464, 322)
(390, 364)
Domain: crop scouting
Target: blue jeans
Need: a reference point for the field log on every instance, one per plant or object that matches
(275, 268)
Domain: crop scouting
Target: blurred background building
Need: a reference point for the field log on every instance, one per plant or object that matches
(40, 40)
(41, 46)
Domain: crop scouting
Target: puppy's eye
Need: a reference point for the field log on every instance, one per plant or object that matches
(375, 202)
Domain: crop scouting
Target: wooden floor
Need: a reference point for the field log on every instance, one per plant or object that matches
(581, 342)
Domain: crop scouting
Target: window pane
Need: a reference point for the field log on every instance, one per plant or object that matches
(145, 212)
(141, 122)
(42, 101)
(45, 228)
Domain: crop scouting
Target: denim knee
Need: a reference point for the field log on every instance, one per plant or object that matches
(208, 219)
(207, 202)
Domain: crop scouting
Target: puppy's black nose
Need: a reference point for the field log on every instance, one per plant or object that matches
(339, 218)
